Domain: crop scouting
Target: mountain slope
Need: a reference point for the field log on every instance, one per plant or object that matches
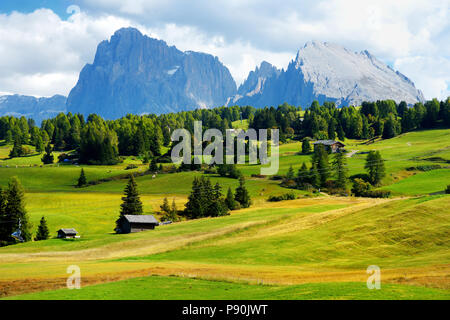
(329, 72)
(32, 107)
(133, 73)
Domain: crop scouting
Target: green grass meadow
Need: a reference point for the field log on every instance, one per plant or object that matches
(314, 247)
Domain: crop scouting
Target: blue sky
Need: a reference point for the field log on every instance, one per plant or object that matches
(43, 47)
(28, 6)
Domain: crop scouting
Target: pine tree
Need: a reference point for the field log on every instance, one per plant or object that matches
(153, 165)
(195, 206)
(229, 200)
(15, 210)
(4, 235)
(48, 156)
(242, 195)
(17, 150)
(306, 146)
(320, 159)
(290, 174)
(340, 167)
(165, 206)
(42, 231)
(217, 207)
(375, 167)
(302, 175)
(82, 179)
(314, 175)
(131, 202)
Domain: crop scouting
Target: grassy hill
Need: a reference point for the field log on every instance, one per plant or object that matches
(301, 249)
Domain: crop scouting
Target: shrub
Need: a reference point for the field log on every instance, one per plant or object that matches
(131, 166)
(286, 196)
(447, 191)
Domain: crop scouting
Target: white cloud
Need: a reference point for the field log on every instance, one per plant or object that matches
(411, 34)
(42, 55)
(431, 75)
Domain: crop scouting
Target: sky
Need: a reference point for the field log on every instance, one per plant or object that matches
(45, 43)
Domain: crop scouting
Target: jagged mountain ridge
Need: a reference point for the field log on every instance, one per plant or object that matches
(133, 73)
(330, 72)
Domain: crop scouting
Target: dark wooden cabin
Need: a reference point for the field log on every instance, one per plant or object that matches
(137, 223)
(331, 146)
(67, 233)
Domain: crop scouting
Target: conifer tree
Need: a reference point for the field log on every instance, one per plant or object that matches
(375, 167)
(153, 165)
(165, 206)
(290, 174)
(15, 210)
(82, 179)
(242, 195)
(306, 146)
(131, 202)
(340, 168)
(229, 200)
(302, 175)
(48, 156)
(42, 231)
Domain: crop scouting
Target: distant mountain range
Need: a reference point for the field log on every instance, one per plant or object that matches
(31, 107)
(133, 73)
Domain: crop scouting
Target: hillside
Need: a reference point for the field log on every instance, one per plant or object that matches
(315, 247)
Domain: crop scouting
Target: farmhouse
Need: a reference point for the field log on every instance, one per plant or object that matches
(67, 233)
(330, 145)
(137, 223)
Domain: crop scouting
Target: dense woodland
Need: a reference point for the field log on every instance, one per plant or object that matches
(97, 141)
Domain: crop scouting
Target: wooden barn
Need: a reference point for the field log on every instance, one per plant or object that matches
(67, 233)
(331, 146)
(137, 223)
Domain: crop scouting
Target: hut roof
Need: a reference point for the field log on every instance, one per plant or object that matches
(135, 218)
(328, 142)
(68, 231)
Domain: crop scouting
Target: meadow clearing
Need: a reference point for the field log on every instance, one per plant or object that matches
(314, 247)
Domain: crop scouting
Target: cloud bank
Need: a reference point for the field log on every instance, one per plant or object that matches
(41, 54)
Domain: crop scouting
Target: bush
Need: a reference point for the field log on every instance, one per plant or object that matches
(286, 196)
(447, 191)
(131, 166)
(364, 189)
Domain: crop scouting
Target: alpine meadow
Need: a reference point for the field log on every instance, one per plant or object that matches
(105, 196)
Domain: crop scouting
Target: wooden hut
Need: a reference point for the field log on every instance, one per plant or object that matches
(331, 146)
(65, 233)
(137, 223)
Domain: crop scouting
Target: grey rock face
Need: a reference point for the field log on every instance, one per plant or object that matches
(31, 107)
(329, 72)
(133, 73)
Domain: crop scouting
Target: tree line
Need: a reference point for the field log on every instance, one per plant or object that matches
(98, 141)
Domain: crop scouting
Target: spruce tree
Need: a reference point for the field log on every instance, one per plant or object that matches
(375, 167)
(217, 206)
(306, 146)
(153, 165)
(4, 236)
(82, 179)
(242, 195)
(340, 167)
(42, 231)
(165, 206)
(229, 200)
(48, 156)
(15, 210)
(131, 202)
(302, 175)
(314, 176)
(290, 174)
